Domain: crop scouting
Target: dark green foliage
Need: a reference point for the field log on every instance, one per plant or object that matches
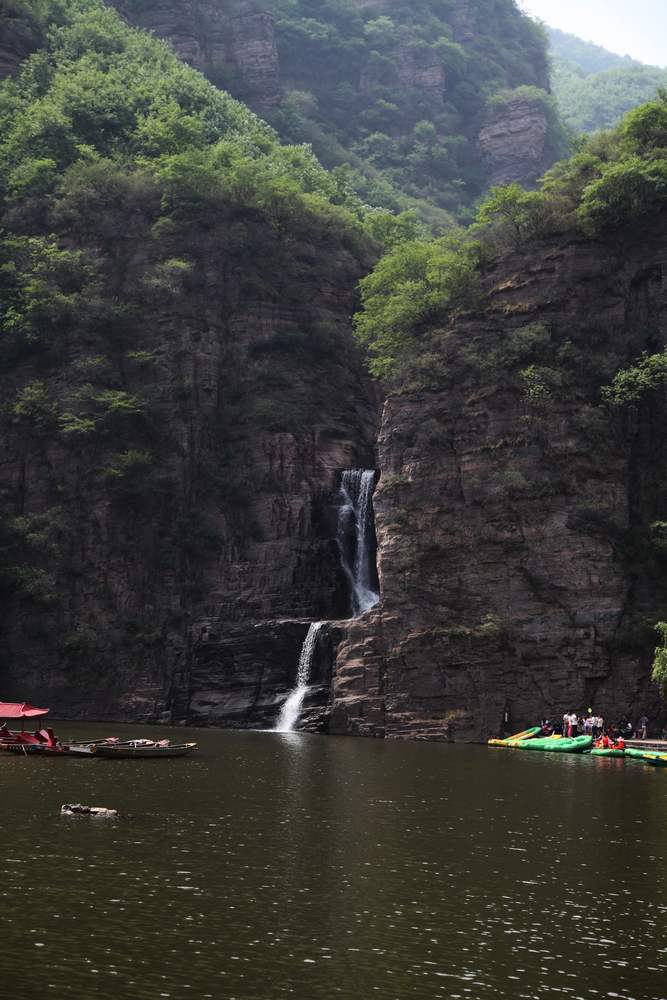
(659, 674)
(400, 94)
(615, 179)
(413, 285)
(631, 384)
(106, 126)
(28, 547)
(141, 212)
(509, 214)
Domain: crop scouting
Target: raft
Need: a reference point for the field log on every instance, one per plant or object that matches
(551, 744)
(574, 744)
(656, 759)
(525, 735)
(610, 752)
(636, 753)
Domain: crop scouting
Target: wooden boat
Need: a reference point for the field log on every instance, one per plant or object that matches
(142, 749)
(43, 742)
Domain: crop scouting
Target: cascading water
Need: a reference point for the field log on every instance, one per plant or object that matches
(356, 537)
(356, 542)
(291, 710)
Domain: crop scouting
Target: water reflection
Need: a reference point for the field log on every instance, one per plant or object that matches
(292, 865)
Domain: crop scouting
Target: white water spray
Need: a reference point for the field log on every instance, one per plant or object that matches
(355, 526)
(291, 710)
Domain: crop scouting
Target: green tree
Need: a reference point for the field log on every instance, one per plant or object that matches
(511, 213)
(631, 384)
(659, 671)
(415, 283)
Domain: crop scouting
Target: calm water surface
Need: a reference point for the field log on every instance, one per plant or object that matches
(290, 865)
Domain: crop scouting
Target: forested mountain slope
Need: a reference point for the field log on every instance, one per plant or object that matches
(179, 379)
(595, 88)
(417, 104)
(588, 57)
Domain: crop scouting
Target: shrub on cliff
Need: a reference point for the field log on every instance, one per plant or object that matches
(631, 384)
(615, 179)
(509, 215)
(413, 285)
(659, 672)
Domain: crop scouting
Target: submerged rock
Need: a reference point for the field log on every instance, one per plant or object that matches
(76, 809)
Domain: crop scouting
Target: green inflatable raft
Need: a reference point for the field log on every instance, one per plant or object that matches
(575, 744)
(634, 752)
(660, 760)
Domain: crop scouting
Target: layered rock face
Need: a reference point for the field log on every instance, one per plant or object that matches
(514, 517)
(241, 674)
(233, 43)
(183, 590)
(513, 143)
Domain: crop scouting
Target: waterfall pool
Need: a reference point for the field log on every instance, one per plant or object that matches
(315, 867)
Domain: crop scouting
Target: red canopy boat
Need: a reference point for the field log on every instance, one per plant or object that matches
(22, 710)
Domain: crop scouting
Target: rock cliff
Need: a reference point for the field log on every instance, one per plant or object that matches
(147, 600)
(20, 34)
(232, 42)
(518, 573)
(513, 143)
(181, 389)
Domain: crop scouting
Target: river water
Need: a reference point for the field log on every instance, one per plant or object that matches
(277, 865)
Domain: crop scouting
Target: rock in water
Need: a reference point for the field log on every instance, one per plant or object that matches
(76, 809)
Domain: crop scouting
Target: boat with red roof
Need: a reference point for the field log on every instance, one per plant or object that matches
(44, 741)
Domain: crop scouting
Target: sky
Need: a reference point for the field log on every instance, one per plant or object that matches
(630, 27)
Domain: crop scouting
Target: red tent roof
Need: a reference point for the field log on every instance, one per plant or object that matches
(20, 710)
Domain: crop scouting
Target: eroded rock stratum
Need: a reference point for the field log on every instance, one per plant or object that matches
(516, 564)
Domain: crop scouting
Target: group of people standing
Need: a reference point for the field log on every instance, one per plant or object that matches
(594, 725)
(586, 725)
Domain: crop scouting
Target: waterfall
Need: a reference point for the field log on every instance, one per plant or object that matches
(355, 537)
(356, 543)
(291, 710)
